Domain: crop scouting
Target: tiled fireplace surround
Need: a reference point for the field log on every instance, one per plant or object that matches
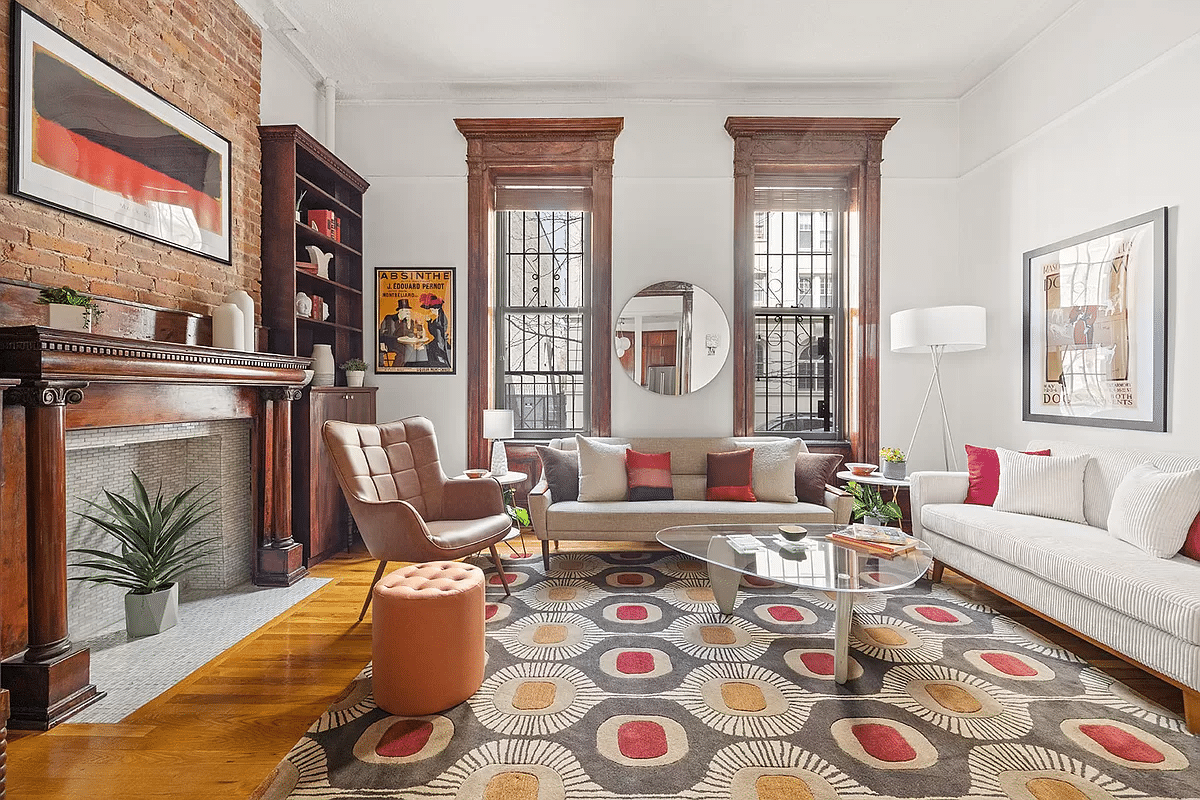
(216, 453)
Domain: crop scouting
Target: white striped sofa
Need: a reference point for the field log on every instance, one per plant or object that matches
(1142, 608)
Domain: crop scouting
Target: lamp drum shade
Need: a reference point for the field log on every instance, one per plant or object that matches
(951, 328)
(498, 424)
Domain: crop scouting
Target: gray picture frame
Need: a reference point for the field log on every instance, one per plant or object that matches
(1095, 315)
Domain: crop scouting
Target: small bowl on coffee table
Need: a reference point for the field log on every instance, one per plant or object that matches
(860, 469)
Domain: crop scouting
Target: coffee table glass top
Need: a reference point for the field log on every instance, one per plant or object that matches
(812, 563)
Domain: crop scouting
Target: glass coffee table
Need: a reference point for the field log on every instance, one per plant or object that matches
(811, 562)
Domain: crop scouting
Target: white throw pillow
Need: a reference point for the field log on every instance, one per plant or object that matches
(602, 475)
(774, 472)
(1044, 486)
(1152, 509)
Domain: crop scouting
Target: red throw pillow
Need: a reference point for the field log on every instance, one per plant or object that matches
(730, 476)
(1191, 545)
(983, 468)
(649, 475)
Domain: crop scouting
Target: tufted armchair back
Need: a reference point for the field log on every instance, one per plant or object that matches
(394, 461)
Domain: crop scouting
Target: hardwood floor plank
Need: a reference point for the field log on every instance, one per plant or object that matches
(222, 730)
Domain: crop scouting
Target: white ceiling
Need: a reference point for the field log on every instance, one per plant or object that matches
(560, 49)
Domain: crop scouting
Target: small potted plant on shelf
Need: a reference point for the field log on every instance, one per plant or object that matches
(895, 463)
(356, 371)
(870, 507)
(69, 309)
(155, 551)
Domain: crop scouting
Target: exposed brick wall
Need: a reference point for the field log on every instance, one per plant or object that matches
(204, 56)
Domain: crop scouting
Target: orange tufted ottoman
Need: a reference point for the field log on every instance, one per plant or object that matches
(427, 637)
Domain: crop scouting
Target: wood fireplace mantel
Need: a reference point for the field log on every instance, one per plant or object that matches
(73, 380)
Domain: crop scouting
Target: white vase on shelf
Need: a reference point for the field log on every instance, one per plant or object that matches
(245, 304)
(322, 364)
(228, 327)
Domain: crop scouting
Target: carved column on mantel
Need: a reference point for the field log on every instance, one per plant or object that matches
(4, 384)
(50, 680)
(280, 558)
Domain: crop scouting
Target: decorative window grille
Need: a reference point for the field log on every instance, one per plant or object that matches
(543, 320)
(798, 361)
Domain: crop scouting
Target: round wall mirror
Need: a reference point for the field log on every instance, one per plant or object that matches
(671, 338)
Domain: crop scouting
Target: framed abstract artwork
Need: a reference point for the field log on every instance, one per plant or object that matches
(414, 314)
(1095, 338)
(88, 139)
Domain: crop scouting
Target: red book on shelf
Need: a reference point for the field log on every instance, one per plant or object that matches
(325, 223)
(307, 267)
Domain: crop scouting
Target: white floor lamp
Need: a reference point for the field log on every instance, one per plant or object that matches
(939, 330)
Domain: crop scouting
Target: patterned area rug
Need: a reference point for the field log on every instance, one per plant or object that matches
(614, 676)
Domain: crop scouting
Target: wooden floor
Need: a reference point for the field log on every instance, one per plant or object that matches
(219, 733)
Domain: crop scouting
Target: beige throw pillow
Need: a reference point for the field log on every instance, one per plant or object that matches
(774, 475)
(602, 475)
(1044, 486)
(1152, 509)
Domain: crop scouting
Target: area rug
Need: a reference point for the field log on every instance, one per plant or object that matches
(614, 676)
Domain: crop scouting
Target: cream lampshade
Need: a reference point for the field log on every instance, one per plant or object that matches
(498, 426)
(938, 330)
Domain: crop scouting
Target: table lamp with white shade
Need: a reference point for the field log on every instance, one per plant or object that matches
(498, 426)
(938, 330)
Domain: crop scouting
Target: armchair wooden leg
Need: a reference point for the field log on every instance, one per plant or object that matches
(371, 589)
(500, 569)
(938, 569)
(546, 554)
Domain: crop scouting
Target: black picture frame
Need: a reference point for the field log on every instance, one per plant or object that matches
(415, 311)
(88, 139)
(1095, 316)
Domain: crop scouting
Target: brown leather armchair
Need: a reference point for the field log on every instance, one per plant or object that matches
(405, 506)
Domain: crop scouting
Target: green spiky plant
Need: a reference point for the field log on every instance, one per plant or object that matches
(66, 296)
(154, 553)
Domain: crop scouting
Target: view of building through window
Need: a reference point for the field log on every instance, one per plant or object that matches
(796, 306)
(542, 320)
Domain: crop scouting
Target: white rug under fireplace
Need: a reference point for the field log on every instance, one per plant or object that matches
(135, 671)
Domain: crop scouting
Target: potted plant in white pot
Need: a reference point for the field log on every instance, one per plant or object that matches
(155, 551)
(70, 310)
(356, 371)
(870, 507)
(895, 463)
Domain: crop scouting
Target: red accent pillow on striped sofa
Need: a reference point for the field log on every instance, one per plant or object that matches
(983, 470)
(1191, 545)
(731, 476)
(649, 475)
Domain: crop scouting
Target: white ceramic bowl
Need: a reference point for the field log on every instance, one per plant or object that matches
(860, 469)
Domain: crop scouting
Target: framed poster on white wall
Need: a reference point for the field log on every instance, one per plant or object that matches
(1095, 338)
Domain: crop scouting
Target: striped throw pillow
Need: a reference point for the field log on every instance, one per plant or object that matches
(649, 475)
(1043, 486)
(1152, 509)
(731, 476)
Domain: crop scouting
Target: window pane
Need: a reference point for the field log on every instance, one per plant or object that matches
(542, 265)
(794, 373)
(544, 378)
(792, 255)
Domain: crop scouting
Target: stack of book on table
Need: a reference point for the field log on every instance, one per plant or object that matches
(873, 539)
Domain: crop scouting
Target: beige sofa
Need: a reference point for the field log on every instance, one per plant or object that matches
(638, 521)
(1142, 608)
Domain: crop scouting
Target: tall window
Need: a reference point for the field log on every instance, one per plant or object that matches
(539, 274)
(798, 351)
(806, 279)
(543, 318)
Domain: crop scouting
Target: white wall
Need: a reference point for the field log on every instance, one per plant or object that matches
(672, 220)
(1084, 157)
(289, 96)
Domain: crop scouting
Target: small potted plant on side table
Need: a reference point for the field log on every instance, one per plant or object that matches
(155, 552)
(70, 310)
(870, 507)
(356, 371)
(895, 463)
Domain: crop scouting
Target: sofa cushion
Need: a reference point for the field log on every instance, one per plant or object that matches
(730, 476)
(601, 470)
(560, 468)
(983, 469)
(813, 472)
(1044, 486)
(1164, 593)
(774, 475)
(640, 521)
(1152, 509)
(649, 476)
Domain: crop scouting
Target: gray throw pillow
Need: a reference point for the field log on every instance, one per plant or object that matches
(560, 468)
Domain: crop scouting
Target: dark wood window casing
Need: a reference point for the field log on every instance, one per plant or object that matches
(848, 148)
(503, 151)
